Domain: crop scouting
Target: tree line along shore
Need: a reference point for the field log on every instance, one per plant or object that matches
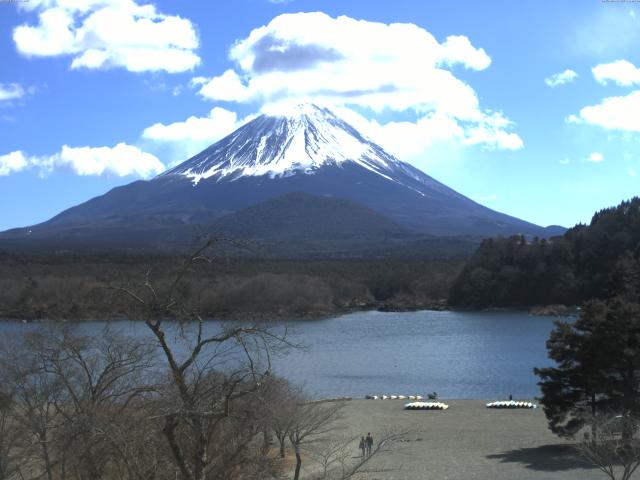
(78, 287)
(595, 261)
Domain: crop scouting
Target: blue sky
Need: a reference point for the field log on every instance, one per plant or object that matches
(531, 108)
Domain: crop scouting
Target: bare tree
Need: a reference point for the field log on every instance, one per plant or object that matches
(11, 437)
(281, 402)
(615, 450)
(98, 377)
(333, 454)
(71, 394)
(311, 422)
(35, 394)
(214, 379)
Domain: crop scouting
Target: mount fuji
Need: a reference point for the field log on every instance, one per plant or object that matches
(298, 175)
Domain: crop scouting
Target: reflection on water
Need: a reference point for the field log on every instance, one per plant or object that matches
(476, 355)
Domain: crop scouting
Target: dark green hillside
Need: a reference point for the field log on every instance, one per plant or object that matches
(299, 214)
(599, 260)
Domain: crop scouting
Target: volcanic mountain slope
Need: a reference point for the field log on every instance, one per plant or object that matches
(307, 149)
(297, 214)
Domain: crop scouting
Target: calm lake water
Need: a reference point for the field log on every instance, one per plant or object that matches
(460, 355)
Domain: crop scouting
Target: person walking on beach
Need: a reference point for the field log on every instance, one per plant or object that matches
(363, 447)
(369, 443)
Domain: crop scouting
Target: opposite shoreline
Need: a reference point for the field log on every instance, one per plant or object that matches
(441, 306)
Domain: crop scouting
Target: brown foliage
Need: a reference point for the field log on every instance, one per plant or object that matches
(65, 286)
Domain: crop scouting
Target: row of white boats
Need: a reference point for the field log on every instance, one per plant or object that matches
(511, 404)
(393, 397)
(426, 406)
(443, 406)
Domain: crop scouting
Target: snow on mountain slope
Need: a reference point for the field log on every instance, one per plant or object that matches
(301, 139)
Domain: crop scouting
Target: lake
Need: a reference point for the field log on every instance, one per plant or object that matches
(460, 355)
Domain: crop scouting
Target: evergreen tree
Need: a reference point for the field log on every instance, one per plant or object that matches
(598, 261)
(597, 368)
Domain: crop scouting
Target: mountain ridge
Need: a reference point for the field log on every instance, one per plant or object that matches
(310, 150)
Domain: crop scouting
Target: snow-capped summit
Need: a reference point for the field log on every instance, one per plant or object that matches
(285, 141)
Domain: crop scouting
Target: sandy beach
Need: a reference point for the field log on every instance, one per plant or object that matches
(467, 441)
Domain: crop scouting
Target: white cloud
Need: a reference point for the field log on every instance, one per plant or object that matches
(561, 78)
(409, 140)
(12, 162)
(121, 160)
(613, 113)
(565, 161)
(347, 63)
(621, 72)
(227, 87)
(109, 33)
(595, 157)
(11, 91)
(405, 139)
(219, 123)
(632, 172)
(342, 62)
(457, 49)
(182, 140)
(491, 133)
